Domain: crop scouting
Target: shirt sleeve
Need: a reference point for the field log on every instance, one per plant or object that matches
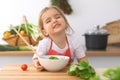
(79, 49)
(42, 48)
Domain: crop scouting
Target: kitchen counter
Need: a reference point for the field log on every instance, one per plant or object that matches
(14, 72)
(110, 51)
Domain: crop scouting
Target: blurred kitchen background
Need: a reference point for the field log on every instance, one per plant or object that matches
(86, 14)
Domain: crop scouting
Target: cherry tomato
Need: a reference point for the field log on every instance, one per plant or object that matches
(24, 67)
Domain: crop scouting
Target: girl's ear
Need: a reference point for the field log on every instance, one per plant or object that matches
(44, 32)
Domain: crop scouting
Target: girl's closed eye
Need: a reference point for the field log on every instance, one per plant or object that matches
(58, 16)
(47, 21)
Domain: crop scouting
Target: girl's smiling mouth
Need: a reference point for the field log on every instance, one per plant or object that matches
(56, 26)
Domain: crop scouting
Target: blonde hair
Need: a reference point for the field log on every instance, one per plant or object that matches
(68, 30)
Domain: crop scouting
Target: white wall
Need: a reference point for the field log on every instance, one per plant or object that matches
(86, 13)
(4, 60)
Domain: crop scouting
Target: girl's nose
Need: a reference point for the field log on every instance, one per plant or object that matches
(54, 20)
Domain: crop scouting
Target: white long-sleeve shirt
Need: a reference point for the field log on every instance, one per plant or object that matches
(77, 50)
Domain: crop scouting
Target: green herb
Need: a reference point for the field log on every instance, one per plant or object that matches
(82, 70)
(53, 58)
(112, 73)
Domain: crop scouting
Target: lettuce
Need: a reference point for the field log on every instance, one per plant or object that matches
(82, 70)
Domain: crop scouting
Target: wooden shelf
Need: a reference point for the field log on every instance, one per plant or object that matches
(16, 53)
(110, 51)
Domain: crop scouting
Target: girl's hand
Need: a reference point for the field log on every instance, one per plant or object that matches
(37, 64)
(83, 59)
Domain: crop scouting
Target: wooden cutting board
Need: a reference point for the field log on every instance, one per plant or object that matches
(113, 29)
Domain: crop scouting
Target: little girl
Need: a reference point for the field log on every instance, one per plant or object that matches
(58, 38)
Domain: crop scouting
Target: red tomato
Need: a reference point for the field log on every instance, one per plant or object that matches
(24, 67)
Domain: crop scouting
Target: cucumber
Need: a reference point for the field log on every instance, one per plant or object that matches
(14, 48)
(7, 48)
(23, 48)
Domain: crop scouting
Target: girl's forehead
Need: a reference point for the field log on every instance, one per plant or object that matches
(50, 12)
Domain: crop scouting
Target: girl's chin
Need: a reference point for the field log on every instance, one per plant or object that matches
(58, 32)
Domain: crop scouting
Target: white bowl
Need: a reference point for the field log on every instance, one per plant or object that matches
(53, 64)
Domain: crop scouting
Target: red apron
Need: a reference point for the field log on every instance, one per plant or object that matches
(66, 53)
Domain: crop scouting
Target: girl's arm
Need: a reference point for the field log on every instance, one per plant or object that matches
(41, 49)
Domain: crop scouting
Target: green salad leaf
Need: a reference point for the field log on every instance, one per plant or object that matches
(53, 58)
(82, 70)
(96, 77)
(112, 73)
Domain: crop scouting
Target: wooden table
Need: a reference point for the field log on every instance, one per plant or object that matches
(14, 72)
